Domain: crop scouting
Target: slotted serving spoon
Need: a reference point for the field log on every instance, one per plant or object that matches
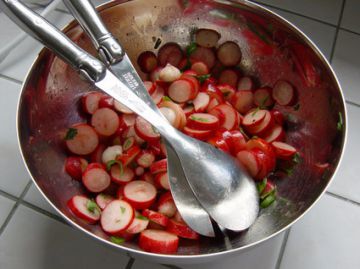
(226, 192)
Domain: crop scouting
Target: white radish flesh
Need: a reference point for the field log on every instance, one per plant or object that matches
(90, 102)
(121, 176)
(79, 205)
(140, 194)
(169, 73)
(84, 141)
(110, 153)
(201, 102)
(96, 180)
(117, 217)
(105, 121)
(181, 91)
(283, 93)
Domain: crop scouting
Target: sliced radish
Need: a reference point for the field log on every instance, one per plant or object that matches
(283, 93)
(75, 166)
(96, 179)
(158, 94)
(138, 224)
(198, 134)
(122, 108)
(128, 143)
(263, 97)
(278, 116)
(105, 121)
(181, 90)
(106, 101)
(212, 103)
(170, 53)
(213, 92)
(96, 155)
(254, 118)
(227, 91)
(266, 124)
(205, 55)
(117, 217)
(201, 102)
(237, 142)
(200, 68)
(159, 166)
(190, 72)
(110, 153)
(139, 171)
(177, 217)
(81, 139)
(84, 208)
(121, 175)
(103, 200)
(166, 205)
(156, 217)
(195, 83)
(169, 114)
(276, 133)
(90, 102)
(248, 160)
(169, 73)
(245, 84)
(145, 130)
(173, 112)
(207, 38)
(181, 230)
(283, 150)
(129, 119)
(140, 194)
(129, 155)
(266, 163)
(203, 121)
(229, 53)
(258, 143)
(229, 76)
(162, 180)
(154, 75)
(220, 143)
(243, 101)
(147, 61)
(130, 132)
(145, 159)
(157, 241)
(150, 86)
(148, 177)
(227, 116)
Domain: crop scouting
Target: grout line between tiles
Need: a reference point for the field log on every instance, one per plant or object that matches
(282, 249)
(352, 103)
(130, 263)
(11, 79)
(350, 31)
(343, 198)
(8, 196)
(171, 266)
(337, 31)
(12, 212)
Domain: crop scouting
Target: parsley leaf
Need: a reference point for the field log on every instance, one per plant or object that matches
(142, 217)
(109, 164)
(297, 107)
(296, 158)
(340, 122)
(190, 49)
(128, 143)
(202, 78)
(123, 209)
(117, 240)
(92, 206)
(261, 185)
(198, 119)
(166, 98)
(268, 200)
(71, 133)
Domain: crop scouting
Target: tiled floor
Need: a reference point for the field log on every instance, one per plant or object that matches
(32, 235)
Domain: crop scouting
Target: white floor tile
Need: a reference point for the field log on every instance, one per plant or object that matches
(346, 63)
(139, 264)
(5, 208)
(346, 182)
(34, 241)
(325, 10)
(34, 197)
(327, 237)
(14, 176)
(350, 18)
(321, 34)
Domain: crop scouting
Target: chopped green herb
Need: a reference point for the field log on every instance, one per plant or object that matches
(340, 122)
(142, 217)
(270, 192)
(261, 185)
(262, 104)
(296, 158)
(255, 111)
(268, 200)
(202, 78)
(123, 209)
(92, 206)
(132, 165)
(71, 133)
(154, 129)
(289, 171)
(117, 240)
(109, 164)
(127, 143)
(198, 119)
(297, 107)
(190, 49)
(166, 98)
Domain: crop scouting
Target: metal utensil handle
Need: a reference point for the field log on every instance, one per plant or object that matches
(51, 37)
(85, 13)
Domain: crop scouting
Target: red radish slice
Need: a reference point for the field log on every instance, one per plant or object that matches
(203, 121)
(154, 75)
(148, 177)
(158, 94)
(150, 86)
(227, 116)
(95, 165)
(283, 93)
(266, 124)
(194, 82)
(183, 64)
(159, 166)
(198, 134)
(274, 134)
(129, 155)
(170, 53)
(138, 224)
(169, 73)
(81, 139)
(129, 119)
(75, 166)
(121, 175)
(84, 208)
(207, 38)
(140, 194)
(105, 121)
(263, 98)
(157, 241)
(145, 130)
(130, 132)
(139, 171)
(213, 91)
(106, 101)
(230, 77)
(248, 160)
(237, 143)
(181, 90)
(219, 143)
(147, 61)
(245, 84)
(181, 230)
(243, 101)
(227, 91)
(254, 118)
(156, 217)
(90, 101)
(166, 205)
(96, 179)
(128, 143)
(190, 72)
(213, 103)
(121, 108)
(120, 192)
(96, 155)
(178, 217)
(172, 112)
(162, 180)
(265, 162)
(188, 110)
(110, 153)
(117, 217)
(205, 55)
(145, 159)
(103, 200)
(200, 68)
(201, 102)
(283, 150)
(229, 53)
(278, 116)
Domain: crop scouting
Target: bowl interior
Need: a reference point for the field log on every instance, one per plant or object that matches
(272, 49)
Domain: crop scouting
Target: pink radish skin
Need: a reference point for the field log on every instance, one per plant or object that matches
(85, 140)
(278, 116)
(145, 130)
(188, 110)
(103, 200)
(283, 93)
(181, 91)
(207, 38)
(227, 116)
(156, 217)
(276, 133)
(248, 160)
(145, 159)
(283, 150)
(139, 171)
(75, 166)
(230, 77)
(181, 230)
(162, 181)
(254, 118)
(90, 102)
(158, 94)
(212, 103)
(159, 166)
(201, 102)
(138, 224)
(263, 97)
(198, 134)
(166, 205)
(245, 84)
(121, 177)
(121, 108)
(229, 53)
(157, 241)
(128, 119)
(205, 55)
(264, 126)
(78, 205)
(106, 101)
(150, 86)
(243, 101)
(200, 68)
(96, 155)
(117, 217)
(96, 179)
(105, 121)
(203, 121)
(170, 53)
(147, 61)
(140, 194)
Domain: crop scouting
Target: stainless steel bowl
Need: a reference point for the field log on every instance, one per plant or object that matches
(272, 49)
